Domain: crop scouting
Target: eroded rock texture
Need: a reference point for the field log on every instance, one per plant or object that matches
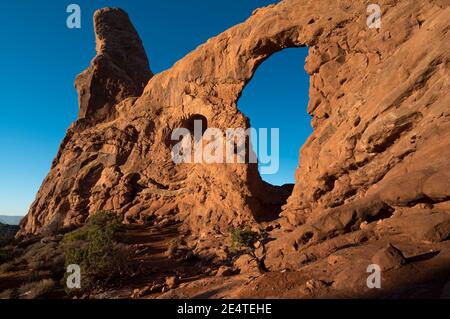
(119, 70)
(380, 108)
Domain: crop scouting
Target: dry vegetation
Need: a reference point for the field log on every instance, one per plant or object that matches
(93, 247)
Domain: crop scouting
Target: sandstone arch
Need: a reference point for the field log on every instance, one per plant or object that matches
(380, 116)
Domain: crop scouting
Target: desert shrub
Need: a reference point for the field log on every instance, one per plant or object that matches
(43, 256)
(243, 240)
(37, 289)
(9, 259)
(109, 222)
(95, 250)
(37, 257)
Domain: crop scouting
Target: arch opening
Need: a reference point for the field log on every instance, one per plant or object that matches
(277, 98)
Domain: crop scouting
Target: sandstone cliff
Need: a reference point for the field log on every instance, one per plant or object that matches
(380, 147)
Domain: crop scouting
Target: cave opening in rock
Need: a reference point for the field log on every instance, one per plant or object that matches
(190, 122)
(277, 97)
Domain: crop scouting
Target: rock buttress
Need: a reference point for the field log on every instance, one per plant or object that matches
(380, 107)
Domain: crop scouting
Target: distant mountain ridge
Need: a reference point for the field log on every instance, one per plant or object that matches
(10, 220)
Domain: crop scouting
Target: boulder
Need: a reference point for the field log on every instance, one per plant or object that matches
(389, 258)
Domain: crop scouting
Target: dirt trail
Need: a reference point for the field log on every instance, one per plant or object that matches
(150, 245)
(151, 264)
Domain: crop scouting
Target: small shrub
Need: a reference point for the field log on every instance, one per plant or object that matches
(110, 222)
(243, 240)
(10, 260)
(94, 249)
(43, 256)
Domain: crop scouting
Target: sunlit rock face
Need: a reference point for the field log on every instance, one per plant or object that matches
(378, 97)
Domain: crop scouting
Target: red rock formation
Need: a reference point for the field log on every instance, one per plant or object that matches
(120, 69)
(380, 108)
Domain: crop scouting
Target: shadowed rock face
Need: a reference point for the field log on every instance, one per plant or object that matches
(380, 107)
(119, 70)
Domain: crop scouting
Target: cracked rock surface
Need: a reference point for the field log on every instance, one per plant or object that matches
(378, 161)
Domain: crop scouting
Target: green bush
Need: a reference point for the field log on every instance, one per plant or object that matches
(109, 222)
(105, 222)
(243, 240)
(43, 256)
(95, 250)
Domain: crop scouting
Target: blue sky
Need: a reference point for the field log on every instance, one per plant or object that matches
(40, 58)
